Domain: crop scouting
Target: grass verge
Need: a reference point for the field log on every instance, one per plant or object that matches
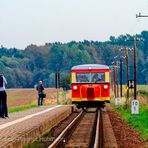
(21, 108)
(139, 122)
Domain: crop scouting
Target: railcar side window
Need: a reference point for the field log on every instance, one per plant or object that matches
(98, 77)
(83, 77)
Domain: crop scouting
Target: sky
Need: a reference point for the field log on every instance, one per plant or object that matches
(25, 22)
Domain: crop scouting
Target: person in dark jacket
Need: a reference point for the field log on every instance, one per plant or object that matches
(3, 97)
(40, 90)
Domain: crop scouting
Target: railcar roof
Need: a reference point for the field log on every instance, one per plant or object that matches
(90, 66)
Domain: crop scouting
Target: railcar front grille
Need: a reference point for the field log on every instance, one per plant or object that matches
(90, 93)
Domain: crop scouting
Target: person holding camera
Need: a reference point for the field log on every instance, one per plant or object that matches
(41, 94)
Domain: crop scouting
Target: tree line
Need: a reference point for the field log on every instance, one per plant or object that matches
(24, 68)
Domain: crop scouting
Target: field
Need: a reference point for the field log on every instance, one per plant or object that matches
(23, 97)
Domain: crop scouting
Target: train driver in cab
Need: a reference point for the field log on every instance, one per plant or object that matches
(98, 78)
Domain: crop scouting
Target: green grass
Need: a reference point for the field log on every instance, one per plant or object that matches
(139, 122)
(21, 108)
(142, 87)
(143, 92)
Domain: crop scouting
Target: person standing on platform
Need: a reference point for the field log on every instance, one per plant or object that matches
(40, 90)
(3, 97)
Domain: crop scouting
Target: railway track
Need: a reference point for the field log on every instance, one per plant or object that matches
(84, 131)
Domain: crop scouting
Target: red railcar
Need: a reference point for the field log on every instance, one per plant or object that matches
(90, 85)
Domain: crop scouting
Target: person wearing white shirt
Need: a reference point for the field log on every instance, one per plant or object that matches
(3, 97)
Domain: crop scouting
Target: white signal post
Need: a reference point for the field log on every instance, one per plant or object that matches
(135, 107)
(117, 101)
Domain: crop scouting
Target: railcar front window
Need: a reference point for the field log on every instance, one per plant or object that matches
(97, 77)
(83, 77)
(90, 77)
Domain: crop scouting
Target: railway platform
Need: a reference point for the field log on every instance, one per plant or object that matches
(24, 127)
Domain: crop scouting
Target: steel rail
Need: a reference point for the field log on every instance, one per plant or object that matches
(63, 133)
(96, 142)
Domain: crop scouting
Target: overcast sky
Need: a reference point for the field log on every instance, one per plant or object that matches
(23, 22)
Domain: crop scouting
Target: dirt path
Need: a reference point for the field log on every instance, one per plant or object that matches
(126, 136)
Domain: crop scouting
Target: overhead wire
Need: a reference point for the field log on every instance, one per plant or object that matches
(137, 21)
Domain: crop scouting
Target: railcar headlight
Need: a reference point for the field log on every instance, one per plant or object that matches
(75, 87)
(105, 87)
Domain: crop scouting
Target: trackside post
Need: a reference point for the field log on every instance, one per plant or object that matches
(57, 84)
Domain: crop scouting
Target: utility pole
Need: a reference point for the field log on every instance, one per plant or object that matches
(135, 66)
(116, 86)
(112, 80)
(127, 94)
(115, 81)
(135, 103)
(139, 15)
(117, 62)
(112, 77)
(120, 74)
(135, 70)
